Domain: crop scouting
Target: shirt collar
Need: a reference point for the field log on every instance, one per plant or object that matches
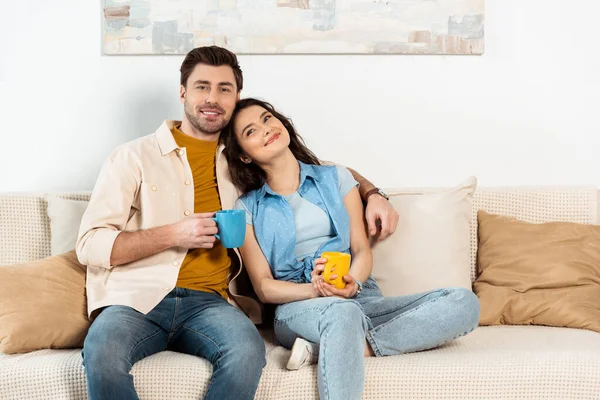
(166, 141)
(306, 171)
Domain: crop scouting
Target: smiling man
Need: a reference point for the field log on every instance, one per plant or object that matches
(157, 278)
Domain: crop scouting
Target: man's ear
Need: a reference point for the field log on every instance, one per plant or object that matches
(181, 94)
(239, 93)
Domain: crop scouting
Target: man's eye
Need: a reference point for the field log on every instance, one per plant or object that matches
(225, 89)
(202, 87)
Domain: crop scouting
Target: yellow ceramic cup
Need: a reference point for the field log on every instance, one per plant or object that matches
(337, 264)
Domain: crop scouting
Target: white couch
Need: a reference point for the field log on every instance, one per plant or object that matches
(500, 362)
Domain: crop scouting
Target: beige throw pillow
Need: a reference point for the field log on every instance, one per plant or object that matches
(538, 274)
(65, 218)
(430, 248)
(43, 304)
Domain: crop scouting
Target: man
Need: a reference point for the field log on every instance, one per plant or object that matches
(157, 279)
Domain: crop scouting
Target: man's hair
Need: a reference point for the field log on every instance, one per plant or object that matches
(214, 56)
(247, 177)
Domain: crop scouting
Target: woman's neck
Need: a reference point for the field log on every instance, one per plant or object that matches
(283, 174)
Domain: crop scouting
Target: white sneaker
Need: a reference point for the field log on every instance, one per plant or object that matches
(303, 353)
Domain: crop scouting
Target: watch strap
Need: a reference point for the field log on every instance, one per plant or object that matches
(360, 288)
(375, 191)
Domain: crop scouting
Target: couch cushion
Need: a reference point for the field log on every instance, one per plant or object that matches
(500, 362)
(43, 304)
(535, 205)
(538, 274)
(491, 362)
(65, 218)
(59, 374)
(430, 248)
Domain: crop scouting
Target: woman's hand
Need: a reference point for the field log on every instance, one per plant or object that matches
(325, 289)
(348, 292)
(317, 279)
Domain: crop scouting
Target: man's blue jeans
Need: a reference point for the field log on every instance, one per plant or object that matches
(186, 321)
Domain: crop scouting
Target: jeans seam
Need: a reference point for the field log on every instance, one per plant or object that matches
(320, 310)
(212, 381)
(172, 331)
(219, 354)
(444, 293)
(321, 363)
(455, 337)
(374, 345)
(134, 348)
(378, 327)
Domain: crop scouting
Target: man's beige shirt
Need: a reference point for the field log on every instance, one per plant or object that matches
(144, 184)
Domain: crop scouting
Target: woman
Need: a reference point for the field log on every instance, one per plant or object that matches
(297, 209)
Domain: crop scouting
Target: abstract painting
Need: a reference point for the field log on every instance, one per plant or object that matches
(295, 26)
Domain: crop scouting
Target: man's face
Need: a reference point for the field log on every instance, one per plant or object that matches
(209, 97)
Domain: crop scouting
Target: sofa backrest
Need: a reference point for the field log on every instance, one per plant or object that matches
(25, 226)
(577, 204)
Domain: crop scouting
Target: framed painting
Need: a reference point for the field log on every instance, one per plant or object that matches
(295, 26)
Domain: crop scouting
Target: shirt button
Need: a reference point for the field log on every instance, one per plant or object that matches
(187, 182)
(154, 188)
(187, 212)
(166, 289)
(181, 152)
(175, 263)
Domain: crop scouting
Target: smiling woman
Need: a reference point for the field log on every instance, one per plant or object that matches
(299, 211)
(259, 125)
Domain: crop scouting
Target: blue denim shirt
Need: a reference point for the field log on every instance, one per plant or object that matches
(274, 227)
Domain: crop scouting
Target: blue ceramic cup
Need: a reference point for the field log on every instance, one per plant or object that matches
(232, 227)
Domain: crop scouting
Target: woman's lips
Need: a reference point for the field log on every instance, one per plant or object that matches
(273, 138)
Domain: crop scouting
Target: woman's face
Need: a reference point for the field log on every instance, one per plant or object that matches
(261, 136)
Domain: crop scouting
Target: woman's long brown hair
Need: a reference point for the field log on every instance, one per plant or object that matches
(248, 177)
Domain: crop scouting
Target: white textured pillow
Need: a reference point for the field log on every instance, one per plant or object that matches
(431, 246)
(65, 217)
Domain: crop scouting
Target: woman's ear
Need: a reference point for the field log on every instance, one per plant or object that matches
(246, 159)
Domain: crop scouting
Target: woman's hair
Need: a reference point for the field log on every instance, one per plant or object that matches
(249, 177)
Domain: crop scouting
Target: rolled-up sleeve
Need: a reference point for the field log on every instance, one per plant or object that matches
(109, 208)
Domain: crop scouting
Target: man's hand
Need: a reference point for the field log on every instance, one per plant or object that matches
(196, 231)
(378, 208)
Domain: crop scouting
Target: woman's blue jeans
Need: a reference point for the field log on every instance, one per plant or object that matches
(391, 326)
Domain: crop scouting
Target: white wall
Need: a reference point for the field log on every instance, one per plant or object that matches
(526, 112)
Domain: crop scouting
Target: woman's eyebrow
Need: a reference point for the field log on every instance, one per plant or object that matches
(261, 115)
